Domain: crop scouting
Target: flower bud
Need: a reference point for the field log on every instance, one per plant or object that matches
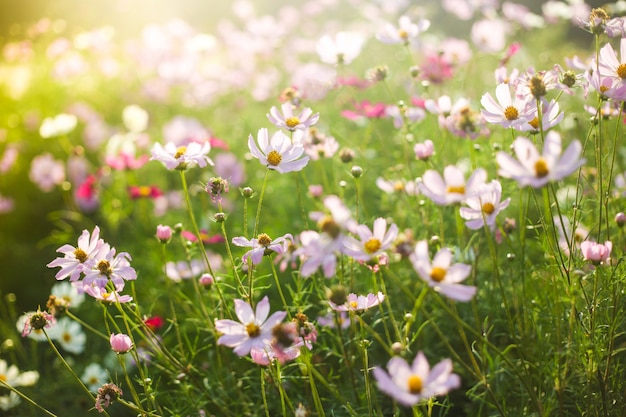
(357, 171)
(206, 280)
(120, 343)
(620, 219)
(164, 233)
(247, 192)
(346, 155)
(220, 217)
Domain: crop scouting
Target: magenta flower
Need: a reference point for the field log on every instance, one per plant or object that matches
(359, 302)
(182, 157)
(441, 274)
(410, 384)
(262, 245)
(164, 233)
(596, 253)
(286, 118)
(80, 258)
(277, 153)
(254, 329)
(120, 343)
(531, 168)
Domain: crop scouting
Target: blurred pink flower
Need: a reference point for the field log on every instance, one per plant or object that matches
(365, 109)
(359, 302)
(596, 253)
(120, 343)
(371, 243)
(47, 172)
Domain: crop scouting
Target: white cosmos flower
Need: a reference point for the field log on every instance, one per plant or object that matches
(277, 152)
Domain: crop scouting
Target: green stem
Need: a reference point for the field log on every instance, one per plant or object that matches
(25, 397)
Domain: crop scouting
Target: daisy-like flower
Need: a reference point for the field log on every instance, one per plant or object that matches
(372, 243)
(397, 186)
(36, 322)
(94, 375)
(80, 258)
(111, 267)
(253, 331)
(70, 335)
(106, 296)
(506, 111)
(406, 32)
(608, 87)
(342, 49)
(610, 66)
(441, 274)
(277, 153)
(286, 119)
(596, 253)
(536, 170)
(182, 157)
(484, 207)
(452, 187)
(359, 302)
(550, 117)
(68, 293)
(262, 245)
(410, 384)
(11, 375)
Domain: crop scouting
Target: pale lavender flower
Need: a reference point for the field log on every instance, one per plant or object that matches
(550, 117)
(254, 329)
(177, 271)
(359, 302)
(287, 119)
(441, 274)
(371, 243)
(483, 208)
(80, 258)
(277, 153)
(536, 170)
(331, 319)
(46, 172)
(397, 186)
(596, 253)
(451, 187)
(606, 86)
(182, 157)
(262, 245)
(411, 384)
(111, 267)
(507, 112)
(424, 150)
(104, 295)
(318, 250)
(6, 204)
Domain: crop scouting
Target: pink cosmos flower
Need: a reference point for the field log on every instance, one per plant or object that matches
(38, 320)
(606, 86)
(262, 245)
(254, 329)
(408, 114)
(406, 32)
(489, 35)
(596, 253)
(277, 152)
(102, 294)
(359, 302)
(6, 204)
(332, 319)
(286, 118)
(120, 343)
(424, 150)
(536, 170)
(372, 243)
(452, 187)
(411, 384)
(397, 186)
(483, 208)
(182, 157)
(46, 172)
(441, 274)
(109, 266)
(506, 112)
(365, 109)
(610, 66)
(80, 258)
(550, 117)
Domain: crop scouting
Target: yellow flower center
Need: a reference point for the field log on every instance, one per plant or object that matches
(403, 34)
(104, 267)
(488, 208)
(253, 330)
(534, 123)
(292, 122)
(3, 378)
(511, 113)
(180, 151)
(144, 191)
(106, 295)
(541, 168)
(67, 337)
(398, 186)
(80, 254)
(437, 274)
(372, 245)
(353, 304)
(621, 71)
(415, 384)
(328, 225)
(274, 158)
(457, 189)
(264, 239)
(603, 88)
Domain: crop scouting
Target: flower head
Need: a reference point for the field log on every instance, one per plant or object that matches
(80, 258)
(359, 302)
(451, 187)
(262, 245)
(596, 253)
(287, 119)
(441, 274)
(536, 170)
(342, 49)
(277, 152)
(373, 242)
(506, 111)
(409, 384)
(182, 157)
(253, 330)
(483, 208)
(406, 32)
(37, 321)
(107, 393)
